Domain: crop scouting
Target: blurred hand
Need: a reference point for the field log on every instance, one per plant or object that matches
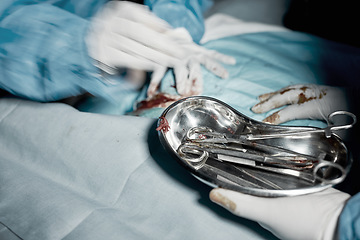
(128, 35)
(188, 73)
(312, 216)
(305, 102)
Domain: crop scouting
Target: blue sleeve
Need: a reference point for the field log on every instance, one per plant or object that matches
(182, 13)
(349, 222)
(43, 55)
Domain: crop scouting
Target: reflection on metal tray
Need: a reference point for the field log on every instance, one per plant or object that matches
(224, 148)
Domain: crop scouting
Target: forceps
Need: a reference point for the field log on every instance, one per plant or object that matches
(201, 143)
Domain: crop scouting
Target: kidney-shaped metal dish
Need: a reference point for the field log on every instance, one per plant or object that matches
(224, 148)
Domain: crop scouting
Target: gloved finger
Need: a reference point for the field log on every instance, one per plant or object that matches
(147, 37)
(181, 78)
(266, 96)
(124, 44)
(221, 57)
(209, 53)
(195, 78)
(213, 66)
(156, 78)
(308, 110)
(290, 96)
(182, 36)
(139, 13)
(116, 58)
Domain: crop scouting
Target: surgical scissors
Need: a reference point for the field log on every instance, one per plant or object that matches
(327, 130)
(201, 143)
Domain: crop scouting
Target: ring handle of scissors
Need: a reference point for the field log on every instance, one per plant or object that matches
(196, 162)
(328, 164)
(198, 130)
(333, 127)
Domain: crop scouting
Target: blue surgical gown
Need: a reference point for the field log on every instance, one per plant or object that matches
(43, 55)
(182, 13)
(42, 50)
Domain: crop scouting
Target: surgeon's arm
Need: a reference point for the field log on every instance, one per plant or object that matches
(43, 54)
(182, 13)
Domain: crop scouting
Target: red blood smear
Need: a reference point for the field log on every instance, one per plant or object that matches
(156, 101)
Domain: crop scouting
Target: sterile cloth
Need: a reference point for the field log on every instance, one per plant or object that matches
(67, 175)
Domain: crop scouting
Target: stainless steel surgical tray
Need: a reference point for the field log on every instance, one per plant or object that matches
(224, 148)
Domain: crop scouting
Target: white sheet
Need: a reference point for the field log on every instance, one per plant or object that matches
(65, 174)
(221, 25)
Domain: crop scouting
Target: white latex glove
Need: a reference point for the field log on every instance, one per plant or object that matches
(188, 74)
(127, 35)
(312, 216)
(305, 102)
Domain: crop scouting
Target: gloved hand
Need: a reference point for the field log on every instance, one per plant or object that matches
(305, 102)
(128, 35)
(312, 216)
(188, 74)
